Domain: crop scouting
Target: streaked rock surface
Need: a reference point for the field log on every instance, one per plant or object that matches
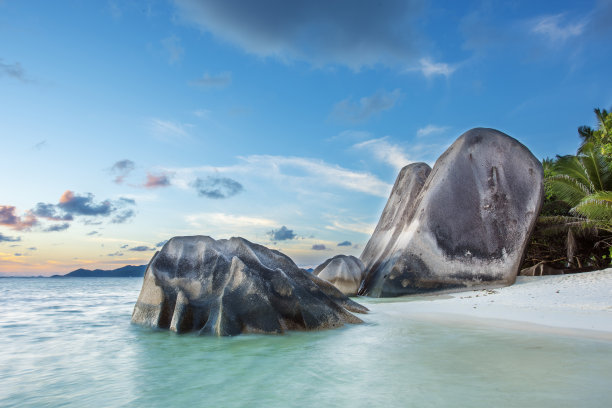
(469, 225)
(345, 272)
(228, 287)
(397, 212)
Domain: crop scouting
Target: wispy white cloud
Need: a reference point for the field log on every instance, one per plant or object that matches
(366, 107)
(355, 226)
(202, 113)
(556, 29)
(386, 152)
(431, 130)
(430, 68)
(173, 48)
(213, 81)
(228, 221)
(168, 130)
(290, 172)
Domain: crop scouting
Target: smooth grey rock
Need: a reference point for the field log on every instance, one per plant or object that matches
(228, 287)
(397, 213)
(470, 223)
(345, 272)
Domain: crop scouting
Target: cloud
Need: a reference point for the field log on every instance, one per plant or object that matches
(124, 246)
(40, 145)
(141, 248)
(14, 70)
(92, 233)
(229, 223)
(366, 107)
(293, 172)
(281, 234)
(153, 181)
(345, 243)
(354, 226)
(431, 130)
(83, 204)
(386, 152)
(17, 254)
(122, 169)
(354, 33)
(4, 238)
(217, 187)
(50, 212)
(160, 244)
(430, 68)
(126, 200)
(115, 254)
(213, 81)
(57, 227)
(172, 46)
(167, 130)
(123, 217)
(9, 219)
(552, 27)
(32, 248)
(319, 247)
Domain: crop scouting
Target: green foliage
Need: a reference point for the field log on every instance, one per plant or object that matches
(600, 138)
(575, 223)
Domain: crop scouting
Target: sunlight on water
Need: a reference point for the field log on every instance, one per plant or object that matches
(69, 342)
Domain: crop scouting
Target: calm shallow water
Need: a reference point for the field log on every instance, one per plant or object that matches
(69, 343)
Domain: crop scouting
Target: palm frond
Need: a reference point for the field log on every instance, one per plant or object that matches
(567, 188)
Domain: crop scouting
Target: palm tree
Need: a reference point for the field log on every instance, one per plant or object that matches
(585, 183)
(601, 137)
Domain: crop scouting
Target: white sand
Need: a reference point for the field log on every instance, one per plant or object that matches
(578, 304)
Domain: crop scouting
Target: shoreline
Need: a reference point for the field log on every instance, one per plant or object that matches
(572, 305)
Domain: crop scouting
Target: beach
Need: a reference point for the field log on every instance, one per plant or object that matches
(573, 304)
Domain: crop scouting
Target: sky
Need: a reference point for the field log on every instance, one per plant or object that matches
(125, 123)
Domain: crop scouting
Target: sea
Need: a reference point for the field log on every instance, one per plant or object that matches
(68, 342)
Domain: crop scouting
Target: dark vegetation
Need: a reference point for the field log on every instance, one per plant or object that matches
(129, 271)
(574, 229)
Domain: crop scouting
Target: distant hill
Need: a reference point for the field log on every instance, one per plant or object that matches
(129, 271)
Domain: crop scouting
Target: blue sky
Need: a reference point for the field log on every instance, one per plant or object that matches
(126, 123)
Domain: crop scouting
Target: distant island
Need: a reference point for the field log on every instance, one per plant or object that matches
(128, 271)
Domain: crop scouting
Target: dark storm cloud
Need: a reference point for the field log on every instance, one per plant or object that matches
(345, 243)
(57, 227)
(4, 238)
(319, 247)
(281, 234)
(122, 169)
(355, 33)
(217, 187)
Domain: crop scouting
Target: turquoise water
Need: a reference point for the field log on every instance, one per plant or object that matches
(69, 343)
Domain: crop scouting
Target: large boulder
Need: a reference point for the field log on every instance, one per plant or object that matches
(469, 225)
(228, 287)
(345, 272)
(397, 213)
